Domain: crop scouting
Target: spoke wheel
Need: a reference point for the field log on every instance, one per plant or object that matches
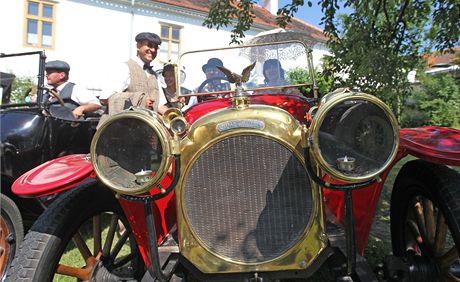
(83, 235)
(11, 233)
(425, 221)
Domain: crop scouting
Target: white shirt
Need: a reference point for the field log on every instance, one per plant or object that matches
(120, 78)
(81, 95)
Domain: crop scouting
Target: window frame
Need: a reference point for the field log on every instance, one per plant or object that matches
(170, 40)
(40, 19)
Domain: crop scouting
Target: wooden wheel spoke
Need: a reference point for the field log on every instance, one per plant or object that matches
(81, 245)
(97, 234)
(119, 244)
(411, 240)
(448, 258)
(415, 231)
(123, 260)
(420, 219)
(429, 216)
(441, 233)
(77, 272)
(80, 273)
(110, 235)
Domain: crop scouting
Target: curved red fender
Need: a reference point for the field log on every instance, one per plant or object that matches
(54, 176)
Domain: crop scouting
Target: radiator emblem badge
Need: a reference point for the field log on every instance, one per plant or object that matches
(242, 123)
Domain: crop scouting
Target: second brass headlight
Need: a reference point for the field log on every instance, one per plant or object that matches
(354, 136)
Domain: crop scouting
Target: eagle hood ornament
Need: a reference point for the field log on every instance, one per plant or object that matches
(237, 78)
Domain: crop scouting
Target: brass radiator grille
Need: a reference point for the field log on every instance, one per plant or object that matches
(248, 199)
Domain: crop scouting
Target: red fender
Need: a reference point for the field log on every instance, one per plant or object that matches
(54, 176)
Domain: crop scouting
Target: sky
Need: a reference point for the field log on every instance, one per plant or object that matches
(311, 15)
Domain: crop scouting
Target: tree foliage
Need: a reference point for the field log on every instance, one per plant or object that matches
(21, 88)
(230, 12)
(435, 101)
(324, 80)
(441, 29)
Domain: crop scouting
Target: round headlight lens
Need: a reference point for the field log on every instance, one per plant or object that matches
(355, 137)
(178, 125)
(130, 152)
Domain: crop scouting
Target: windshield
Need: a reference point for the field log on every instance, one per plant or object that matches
(275, 68)
(19, 77)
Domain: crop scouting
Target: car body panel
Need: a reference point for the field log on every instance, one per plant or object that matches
(297, 106)
(54, 176)
(435, 144)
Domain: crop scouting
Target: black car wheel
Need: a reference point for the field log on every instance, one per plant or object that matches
(11, 233)
(79, 236)
(425, 221)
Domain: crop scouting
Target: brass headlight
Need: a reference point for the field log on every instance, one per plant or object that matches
(354, 136)
(131, 152)
(175, 121)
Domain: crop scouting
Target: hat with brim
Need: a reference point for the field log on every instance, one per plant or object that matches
(57, 65)
(212, 63)
(148, 36)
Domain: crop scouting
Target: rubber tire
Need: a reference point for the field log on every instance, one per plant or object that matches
(44, 244)
(12, 216)
(438, 183)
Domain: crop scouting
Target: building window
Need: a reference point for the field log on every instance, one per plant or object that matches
(39, 24)
(170, 46)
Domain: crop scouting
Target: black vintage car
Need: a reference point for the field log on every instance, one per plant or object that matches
(31, 134)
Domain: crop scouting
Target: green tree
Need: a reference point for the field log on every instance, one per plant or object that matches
(21, 88)
(441, 30)
(436, 101)
(324, 81)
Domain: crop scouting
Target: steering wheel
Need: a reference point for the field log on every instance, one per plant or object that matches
(57, 96)
(202, 85)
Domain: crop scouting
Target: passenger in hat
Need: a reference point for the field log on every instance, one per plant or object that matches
(78, 98)
(168, 75)
(215, 80)
(134, 83)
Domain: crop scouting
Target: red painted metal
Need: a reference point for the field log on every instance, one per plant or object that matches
(164, 212)
(297, 106)
(439, 145)
(53, 176)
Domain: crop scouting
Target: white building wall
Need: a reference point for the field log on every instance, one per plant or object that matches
(93, 35)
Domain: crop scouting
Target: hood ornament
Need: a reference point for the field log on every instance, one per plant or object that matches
(237, 78)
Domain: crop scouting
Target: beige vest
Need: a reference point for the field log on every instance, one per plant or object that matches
(140, 82)
(140, 87)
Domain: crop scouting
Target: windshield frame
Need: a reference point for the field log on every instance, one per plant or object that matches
(309, 69)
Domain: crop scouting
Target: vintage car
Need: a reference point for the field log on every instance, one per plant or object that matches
(31, 134)
(259, 183)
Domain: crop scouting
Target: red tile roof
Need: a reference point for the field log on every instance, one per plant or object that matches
(262, 17)
(437, 58)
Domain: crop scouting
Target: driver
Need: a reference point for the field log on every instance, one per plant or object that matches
(74, 96)
(214, 84)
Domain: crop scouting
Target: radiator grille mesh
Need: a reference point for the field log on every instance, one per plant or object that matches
(248, 199)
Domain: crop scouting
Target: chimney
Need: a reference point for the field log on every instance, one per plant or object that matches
(270, 5)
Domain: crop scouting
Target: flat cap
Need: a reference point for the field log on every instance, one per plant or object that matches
(151, 37)
(57, 65)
